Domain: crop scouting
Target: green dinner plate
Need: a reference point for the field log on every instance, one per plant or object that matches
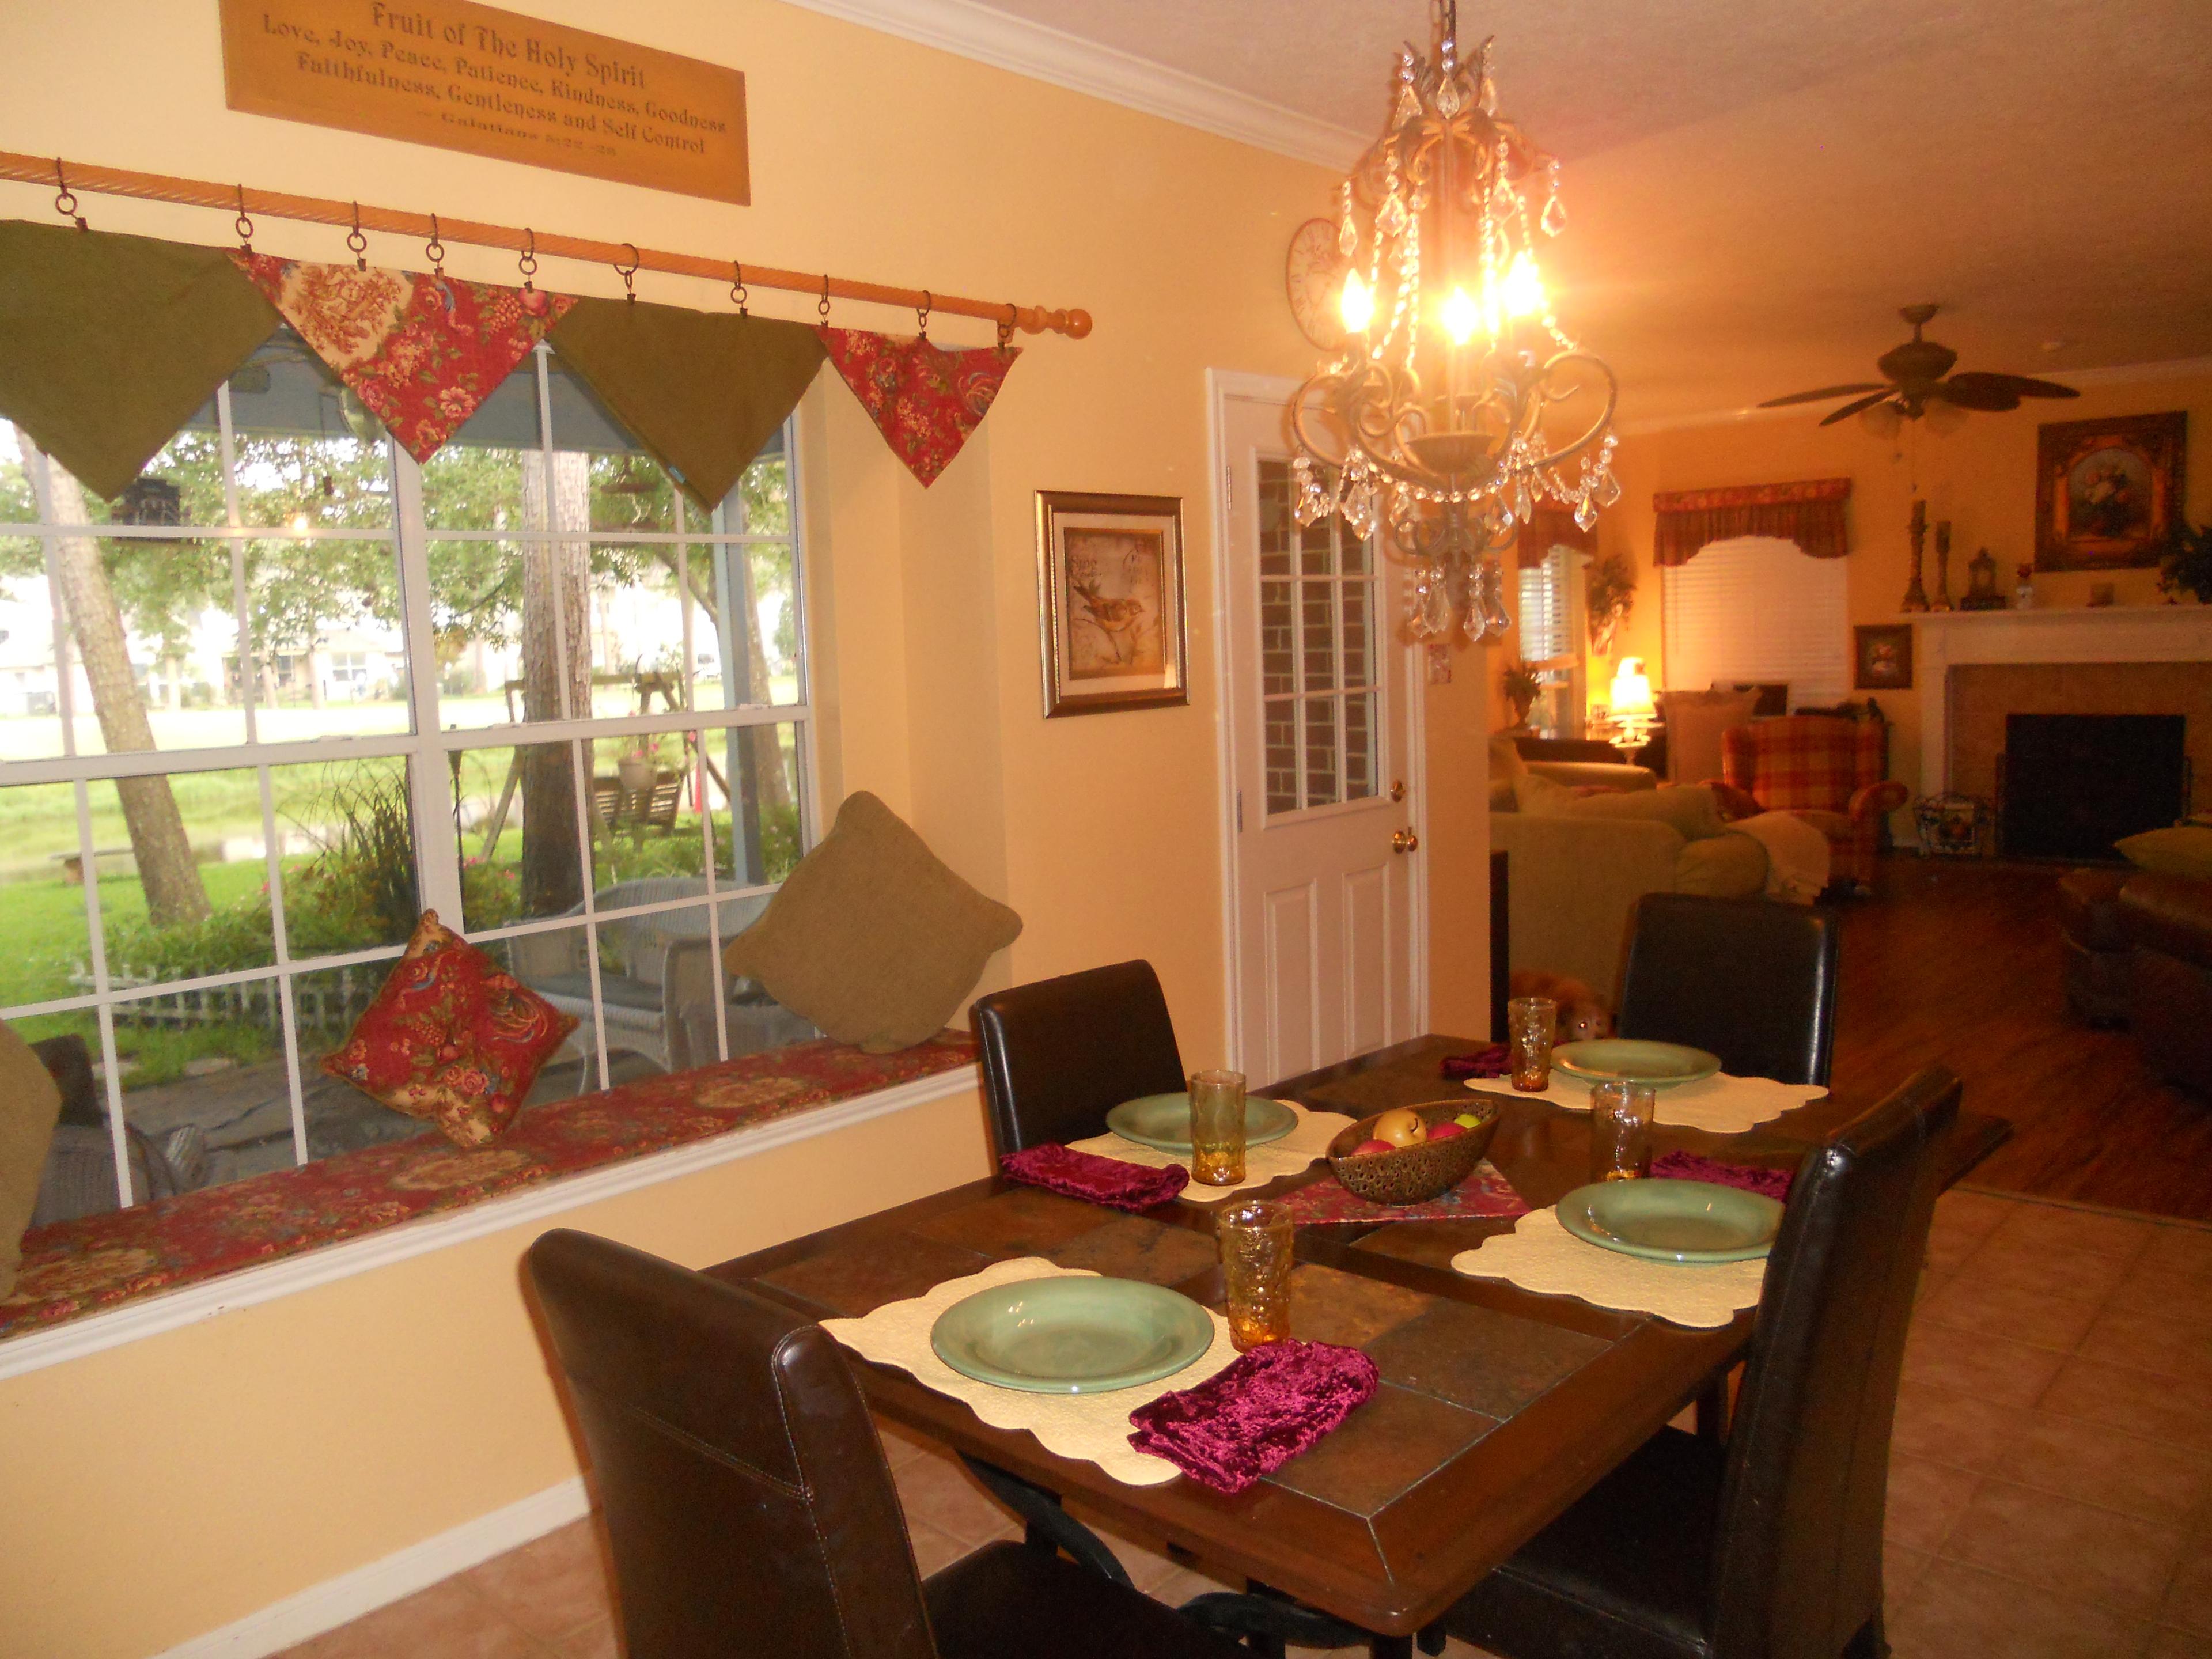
(1688, 1221)
(1162, 1121)
(1614, 1059)
(1071, 1335)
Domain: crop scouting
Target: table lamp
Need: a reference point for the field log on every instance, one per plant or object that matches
(1633, 707)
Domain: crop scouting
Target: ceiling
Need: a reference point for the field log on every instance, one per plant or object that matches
(1754, 186)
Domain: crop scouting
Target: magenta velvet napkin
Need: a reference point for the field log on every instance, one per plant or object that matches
(1495, 1060)
(1094, 1179)
(1689, 1166)
(1254, 1416)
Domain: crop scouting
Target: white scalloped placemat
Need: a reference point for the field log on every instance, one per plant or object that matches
(1093, 1426)
(1539, 1255)
(1262, 1164)
(1722, 1105)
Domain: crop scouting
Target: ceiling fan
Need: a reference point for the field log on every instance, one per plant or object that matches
(1917, 385)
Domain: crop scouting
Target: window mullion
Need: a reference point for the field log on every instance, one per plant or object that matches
(429, 779)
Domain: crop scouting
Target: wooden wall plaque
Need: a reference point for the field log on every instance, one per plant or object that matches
(470, 77)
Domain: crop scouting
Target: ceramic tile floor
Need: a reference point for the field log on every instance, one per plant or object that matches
(2050, 1488)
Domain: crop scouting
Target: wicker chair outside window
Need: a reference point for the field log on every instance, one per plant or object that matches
(1825, 768)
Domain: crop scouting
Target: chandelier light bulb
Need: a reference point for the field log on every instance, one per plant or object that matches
(1461, 316)
(1523, 292)
(1355, 303)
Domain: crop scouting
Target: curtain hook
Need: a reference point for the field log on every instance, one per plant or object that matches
(434, 249)
(921, 315)
(1006, 328)
(243, 225)
(528, 263)
(65, 198)
(358, 242)
(822, 306)
(628, 272)
(738, 288)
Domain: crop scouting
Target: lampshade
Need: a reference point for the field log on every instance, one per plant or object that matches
(1631, 689)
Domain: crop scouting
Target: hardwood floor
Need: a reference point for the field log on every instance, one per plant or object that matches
(1959, 963)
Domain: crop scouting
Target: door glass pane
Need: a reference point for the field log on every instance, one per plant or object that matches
(1277, 639)
(1276, 528)
(1360, 756)
(1280, 758)
(1320, 751)
(1317, 635)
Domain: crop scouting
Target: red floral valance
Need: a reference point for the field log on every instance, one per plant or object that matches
(1548, 527)
(1809, 513)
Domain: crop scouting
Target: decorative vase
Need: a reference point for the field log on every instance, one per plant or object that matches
(635, 772)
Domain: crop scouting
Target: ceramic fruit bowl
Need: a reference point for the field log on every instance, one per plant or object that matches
(1414, 1175)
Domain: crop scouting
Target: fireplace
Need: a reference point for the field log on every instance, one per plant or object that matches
(2073, 784)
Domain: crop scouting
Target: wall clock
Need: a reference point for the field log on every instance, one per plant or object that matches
(1312, 273)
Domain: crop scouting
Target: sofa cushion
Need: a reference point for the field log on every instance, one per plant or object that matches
(1506, 768)
(452, 1038)
(1691, 811)
(2089, 908)
(30, 1102)
(1694, 721)
(871, 939)
(2184, 849)
(2171, 915)
(1727, 866)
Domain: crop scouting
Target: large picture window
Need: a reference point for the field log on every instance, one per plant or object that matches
(290, 688)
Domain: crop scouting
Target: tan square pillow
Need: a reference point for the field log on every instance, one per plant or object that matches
(2181, 849)
(1695, 720)
(872, 938)
(29, 1103)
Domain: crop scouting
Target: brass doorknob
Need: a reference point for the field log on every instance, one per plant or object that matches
(1405, 842)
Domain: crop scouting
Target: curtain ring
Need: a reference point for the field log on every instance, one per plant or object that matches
(1006, 328)
(738, 288)
(65, 198)
(358, 242)
(434, 249)
(243, 225)
(921, 315)
(824, 305)
(528, 263)
(628, 272)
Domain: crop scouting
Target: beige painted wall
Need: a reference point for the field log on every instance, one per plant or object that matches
(1981, 477)
(182, 1482)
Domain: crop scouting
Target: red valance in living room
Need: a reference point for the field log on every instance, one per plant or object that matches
(1548, 527)
(1809, 513)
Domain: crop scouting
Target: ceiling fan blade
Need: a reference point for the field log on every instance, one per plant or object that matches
(1975, 391)
(1851, 409)
(2019, 386)
(1823, 393)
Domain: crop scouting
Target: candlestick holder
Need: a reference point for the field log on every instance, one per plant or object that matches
(1943, 599)
(1916, 596)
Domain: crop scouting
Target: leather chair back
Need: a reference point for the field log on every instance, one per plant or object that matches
(745, 1489)
(1797, 1564)
(1060, 1053)
(1753, 981)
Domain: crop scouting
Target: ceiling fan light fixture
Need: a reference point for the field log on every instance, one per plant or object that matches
(1883, 420)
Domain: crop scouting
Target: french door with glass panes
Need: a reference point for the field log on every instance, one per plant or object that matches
(1326, 871)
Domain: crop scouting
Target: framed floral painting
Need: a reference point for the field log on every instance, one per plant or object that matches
(2107, 493)
(1882, 657)
(1109, 580)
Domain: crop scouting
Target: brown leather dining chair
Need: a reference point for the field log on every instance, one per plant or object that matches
(747, 1500)
(1768, 1546)
(1751, 979)
(1059, 1054)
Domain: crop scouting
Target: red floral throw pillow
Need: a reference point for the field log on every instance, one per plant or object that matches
(450, 1038)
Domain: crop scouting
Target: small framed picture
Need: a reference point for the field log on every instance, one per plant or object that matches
(1111, 602)
(1883, 656)
(2107, 493)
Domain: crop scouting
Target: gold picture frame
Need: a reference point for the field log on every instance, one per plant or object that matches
(1110, 611)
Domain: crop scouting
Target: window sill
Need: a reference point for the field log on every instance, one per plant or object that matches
(107, 1279)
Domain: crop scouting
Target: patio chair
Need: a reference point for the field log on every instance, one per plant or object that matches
(746, 1498)
(1770, 1544)
(1751, 979)
(1827, 771)
(1059, 1054)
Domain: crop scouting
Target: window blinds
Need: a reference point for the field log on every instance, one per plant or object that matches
(1545, 610)
(1757, 609)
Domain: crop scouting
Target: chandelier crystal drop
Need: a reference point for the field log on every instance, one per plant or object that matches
(1457, 407)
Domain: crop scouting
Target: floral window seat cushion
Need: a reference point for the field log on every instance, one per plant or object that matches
(75, 1268)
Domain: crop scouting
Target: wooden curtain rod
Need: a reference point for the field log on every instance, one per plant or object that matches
(321, 210)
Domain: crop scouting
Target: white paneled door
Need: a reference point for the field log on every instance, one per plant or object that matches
(1326, 859)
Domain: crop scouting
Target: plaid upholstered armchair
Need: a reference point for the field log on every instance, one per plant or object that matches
(1825, 769)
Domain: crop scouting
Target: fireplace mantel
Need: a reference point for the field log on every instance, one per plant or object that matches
(1946, 639)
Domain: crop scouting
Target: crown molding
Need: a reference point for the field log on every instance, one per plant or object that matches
(1044, 53)
(2171, 368)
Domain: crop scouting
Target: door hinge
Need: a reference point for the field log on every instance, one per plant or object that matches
(1240, 812)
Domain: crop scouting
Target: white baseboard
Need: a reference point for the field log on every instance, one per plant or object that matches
(341, 1600)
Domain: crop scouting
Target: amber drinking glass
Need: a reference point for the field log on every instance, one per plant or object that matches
(1217, 1127)
(1621, 1116)
(1531, 1022)
(1257, 1239)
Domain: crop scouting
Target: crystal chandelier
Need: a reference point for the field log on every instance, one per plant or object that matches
(1457, 404)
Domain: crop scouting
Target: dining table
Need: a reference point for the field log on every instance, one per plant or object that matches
(1497, 1407)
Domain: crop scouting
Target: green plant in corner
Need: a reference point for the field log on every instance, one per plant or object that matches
(2186, 565)
(1522, 685)
(1611, 592)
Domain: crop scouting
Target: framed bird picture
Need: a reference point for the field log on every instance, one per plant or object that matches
(1109, 580)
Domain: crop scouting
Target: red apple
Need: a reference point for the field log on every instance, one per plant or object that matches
(1446, 1132)
(1367, 1146)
